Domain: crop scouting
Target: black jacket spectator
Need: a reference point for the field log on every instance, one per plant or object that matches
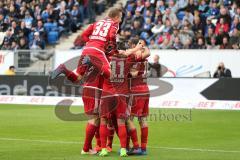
(222, 71)
(155, 67)
(155, 70)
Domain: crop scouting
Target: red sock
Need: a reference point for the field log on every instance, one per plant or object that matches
(90, 131)
(110, 137)
(97, 136)
(144, 138)
(128, 141)
(133, 135)
(103, 135)
(122, 133)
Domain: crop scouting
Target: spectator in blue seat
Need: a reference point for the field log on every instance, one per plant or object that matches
(140, 6)
(37, 11)
(148, 6)
(131, 6)
(76, 17)
(161, 6)
(28, 20)
(188, 16)
(40, 29)
(213, 11)
(138, 17)
(148, 15)
(136, 29)
(203, 8)
(37, 42)
(8, 38)
(127, 22)
(64, 24)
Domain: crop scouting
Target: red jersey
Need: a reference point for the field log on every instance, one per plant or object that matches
(100, 33)
(120, 68)
(139, 84)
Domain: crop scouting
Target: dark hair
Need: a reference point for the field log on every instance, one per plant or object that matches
(11, 67)
(143, 41)
(133, 41)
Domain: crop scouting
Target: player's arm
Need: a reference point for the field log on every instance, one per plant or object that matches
(86, 33)
(146, 53)
(132, 50)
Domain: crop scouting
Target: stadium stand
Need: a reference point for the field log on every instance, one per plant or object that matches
(183, 24)
(43, 22)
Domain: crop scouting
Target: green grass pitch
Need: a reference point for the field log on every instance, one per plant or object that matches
(35, 133)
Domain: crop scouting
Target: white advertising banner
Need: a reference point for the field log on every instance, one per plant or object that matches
(6, 60)
(183, 93)
(188, 63)
(180, 63)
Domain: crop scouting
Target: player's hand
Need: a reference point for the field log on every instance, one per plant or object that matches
(139, 45)
(121, 52)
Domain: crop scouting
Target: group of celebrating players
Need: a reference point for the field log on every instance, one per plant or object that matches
(114, 87)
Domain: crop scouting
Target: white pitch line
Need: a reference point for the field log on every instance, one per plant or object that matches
(165, 148)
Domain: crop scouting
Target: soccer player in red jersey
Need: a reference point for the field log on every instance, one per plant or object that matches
(139, 99)
(100, 37)
(114, 98)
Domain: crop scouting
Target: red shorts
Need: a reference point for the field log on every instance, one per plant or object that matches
(98, 60)
(92, 93)
(114, 105)
(139, 104)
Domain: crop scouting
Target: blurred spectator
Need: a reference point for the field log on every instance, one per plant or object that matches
(225, 44)
(153, 44)
(177, 44)
(10, 71)
(213, 43)
(171, 16)
(138, 17)
(136, 29)
(222, 71)
(23, 44)
(127, 22)
(223, 25)
(155, 67)
(200, 43)
(37, 42)
(235, 39)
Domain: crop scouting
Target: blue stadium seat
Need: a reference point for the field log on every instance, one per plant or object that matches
(47, 27)
(52, 37)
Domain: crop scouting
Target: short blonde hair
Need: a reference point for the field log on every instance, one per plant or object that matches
(114, 12)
